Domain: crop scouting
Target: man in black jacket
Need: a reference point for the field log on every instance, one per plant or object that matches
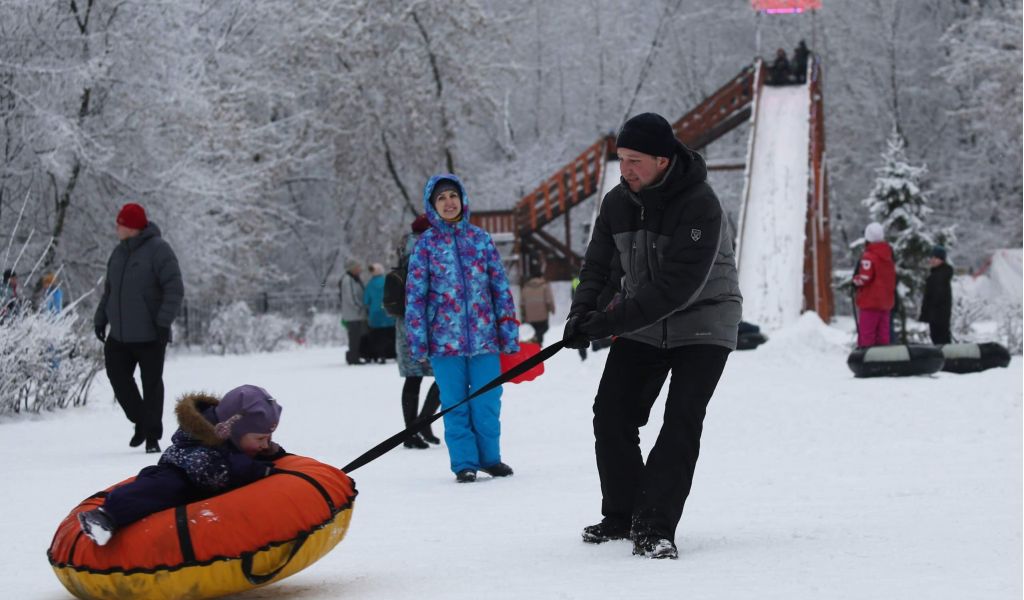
(141, 297)
(937, 303)
(662, 231)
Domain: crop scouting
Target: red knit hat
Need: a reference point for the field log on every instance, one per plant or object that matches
(421, 224)
(132, 216)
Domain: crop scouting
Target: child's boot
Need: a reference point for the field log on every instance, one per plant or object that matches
(96, 525)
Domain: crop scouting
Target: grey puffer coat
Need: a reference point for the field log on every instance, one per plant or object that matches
(143, 289)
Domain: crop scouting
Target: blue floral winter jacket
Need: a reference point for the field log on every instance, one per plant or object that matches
(211, 464)
(456, 292)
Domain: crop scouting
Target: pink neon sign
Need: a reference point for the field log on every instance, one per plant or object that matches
(781, 7)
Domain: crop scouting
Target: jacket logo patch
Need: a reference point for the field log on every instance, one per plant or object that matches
(695, 234)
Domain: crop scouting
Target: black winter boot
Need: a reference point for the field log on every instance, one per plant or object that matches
(465, 476)
(606, 531)
(152, 446)
(415, 441)
(498, 470)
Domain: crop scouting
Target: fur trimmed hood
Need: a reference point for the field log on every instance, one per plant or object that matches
(190, 410)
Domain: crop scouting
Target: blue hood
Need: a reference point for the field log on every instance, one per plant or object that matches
(431, 212)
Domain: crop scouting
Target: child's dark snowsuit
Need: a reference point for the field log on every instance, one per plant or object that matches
(197, 465)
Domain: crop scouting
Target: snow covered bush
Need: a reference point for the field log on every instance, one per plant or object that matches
(236, 330)
(324, 329)
(44, 363)
(1011, 328)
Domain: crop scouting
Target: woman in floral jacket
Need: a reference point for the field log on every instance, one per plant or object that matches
(459, 314)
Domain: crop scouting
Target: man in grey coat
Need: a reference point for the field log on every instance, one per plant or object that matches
(141, 297)
(353, 310)
(660, 237)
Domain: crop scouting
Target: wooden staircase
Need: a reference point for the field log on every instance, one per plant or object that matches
(580, 179)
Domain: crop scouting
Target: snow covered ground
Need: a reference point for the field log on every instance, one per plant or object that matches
(811, 484)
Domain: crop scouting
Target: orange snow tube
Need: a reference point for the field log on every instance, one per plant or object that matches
(251, 536)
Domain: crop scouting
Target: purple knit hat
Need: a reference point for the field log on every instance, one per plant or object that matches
(246, 409)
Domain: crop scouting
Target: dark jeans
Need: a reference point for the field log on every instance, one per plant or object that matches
(411, 400)
(539, 329)
(652, 494)
(356, 332)
(146, 409)
(940, 333)
(156, 488)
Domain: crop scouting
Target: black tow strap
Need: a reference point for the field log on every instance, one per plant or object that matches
(387, 445)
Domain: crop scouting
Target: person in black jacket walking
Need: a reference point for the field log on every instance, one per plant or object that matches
(677, 312)
(141, 297)
(937, 303)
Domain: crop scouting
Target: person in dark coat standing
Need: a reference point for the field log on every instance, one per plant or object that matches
(141, 297)
(937, 304)
(677, 312)
(779, 72)
(413, 371)
(800, 55)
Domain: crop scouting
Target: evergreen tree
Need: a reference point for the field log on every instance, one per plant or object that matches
(901, 206)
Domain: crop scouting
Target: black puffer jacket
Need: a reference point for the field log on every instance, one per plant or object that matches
(675, 249)
(937, 303)
(143, 289)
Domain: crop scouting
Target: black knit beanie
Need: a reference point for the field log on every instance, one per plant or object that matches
(444, 185)
(649, 133)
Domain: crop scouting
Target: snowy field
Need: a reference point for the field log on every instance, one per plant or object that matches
(811, 484)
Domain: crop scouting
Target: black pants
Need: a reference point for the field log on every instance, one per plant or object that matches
(146, 410)
(156, 488)
(356, 331)
(652, 494)
(539, 329)
(939, 333)
(411, 400)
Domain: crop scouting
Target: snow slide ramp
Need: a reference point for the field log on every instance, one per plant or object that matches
(773, 218)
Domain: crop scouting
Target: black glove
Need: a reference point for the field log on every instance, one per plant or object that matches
(595, 325)
(101, 333)
(163, 334)
(572, 336)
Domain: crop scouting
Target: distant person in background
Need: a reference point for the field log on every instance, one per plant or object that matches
(800, 55)
(937, 304)
(875, 280)
(536, 303)
(52, 298)
(779, 72)
(8, 295)
(353, 310)
(414, 370)
(460, 315)
(380, 340)
(141, 297)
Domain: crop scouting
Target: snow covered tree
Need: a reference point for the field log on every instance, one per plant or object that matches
(901, 206)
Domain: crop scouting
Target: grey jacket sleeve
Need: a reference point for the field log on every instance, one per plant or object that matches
(100, 318)
(168, 276)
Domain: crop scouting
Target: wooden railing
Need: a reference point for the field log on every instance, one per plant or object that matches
(818, 241)
(494, 221)
(572, 184)
(720, 113)
(578, 180)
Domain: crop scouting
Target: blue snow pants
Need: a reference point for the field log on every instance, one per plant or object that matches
(471, 431)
